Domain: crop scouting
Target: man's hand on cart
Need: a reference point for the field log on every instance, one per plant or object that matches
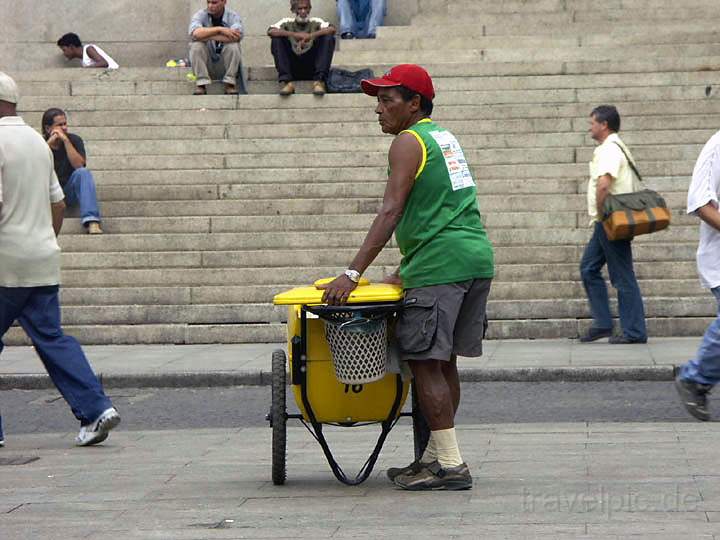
(338, 290)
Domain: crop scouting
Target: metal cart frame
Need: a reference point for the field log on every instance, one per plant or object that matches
(279, 416)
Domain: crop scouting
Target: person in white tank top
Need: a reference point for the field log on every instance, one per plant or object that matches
(91, 56)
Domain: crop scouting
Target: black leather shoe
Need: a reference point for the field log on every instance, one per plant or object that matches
(594, 334)
(622, 340)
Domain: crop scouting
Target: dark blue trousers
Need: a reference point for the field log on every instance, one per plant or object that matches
(618, 257)
(37, 309)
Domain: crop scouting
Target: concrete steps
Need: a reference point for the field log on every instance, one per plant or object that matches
(277, 332)
(633, 126)
(653, 111)
(254, 313)
(561, 96)
(213, 204)
(309, 224)
(332, 258)
(222, 269)
(328, 206)
(256, 294)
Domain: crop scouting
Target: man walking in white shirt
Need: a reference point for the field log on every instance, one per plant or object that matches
(698, 376)
(31, 215)
(610, 173)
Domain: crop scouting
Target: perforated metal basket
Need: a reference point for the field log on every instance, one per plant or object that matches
(359, 348)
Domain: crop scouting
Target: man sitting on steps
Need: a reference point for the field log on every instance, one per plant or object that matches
(216, 33)
(70, 163)
(303, 48)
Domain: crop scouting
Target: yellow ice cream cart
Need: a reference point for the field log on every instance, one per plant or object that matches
(338, 367)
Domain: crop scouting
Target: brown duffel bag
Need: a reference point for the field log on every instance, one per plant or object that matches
(631, 214)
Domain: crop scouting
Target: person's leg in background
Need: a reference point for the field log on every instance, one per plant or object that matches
(12, 301)
(699, 375)
(231, 58)
(346, 19)
(80, 191)
(323, 50)
(67, 366)
(622, 276)
(283, 54)
(593, 260)
(378, 9)
(199, 60)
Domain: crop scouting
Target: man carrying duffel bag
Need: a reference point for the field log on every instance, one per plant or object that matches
(611, 174)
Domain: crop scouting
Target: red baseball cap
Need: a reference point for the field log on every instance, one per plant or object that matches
(410, 76)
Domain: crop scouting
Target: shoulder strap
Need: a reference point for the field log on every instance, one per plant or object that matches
(630, 162)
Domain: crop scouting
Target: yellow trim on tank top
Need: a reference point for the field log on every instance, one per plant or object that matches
(422, 145)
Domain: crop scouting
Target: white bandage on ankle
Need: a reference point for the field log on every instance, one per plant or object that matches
(446, 448)
(430, 455)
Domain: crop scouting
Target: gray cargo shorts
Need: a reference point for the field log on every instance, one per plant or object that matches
(439, 321)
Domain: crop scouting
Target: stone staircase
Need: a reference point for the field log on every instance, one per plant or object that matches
(213, 204)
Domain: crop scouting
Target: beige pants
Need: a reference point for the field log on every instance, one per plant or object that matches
(227, 67)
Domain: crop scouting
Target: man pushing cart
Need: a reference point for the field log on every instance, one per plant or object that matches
(447, 266)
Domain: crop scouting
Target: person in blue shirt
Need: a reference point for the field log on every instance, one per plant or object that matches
(215, 33)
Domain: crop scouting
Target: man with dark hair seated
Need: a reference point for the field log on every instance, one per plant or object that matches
(303, 48)
(69, 157)
(91, 55)
(216, 33)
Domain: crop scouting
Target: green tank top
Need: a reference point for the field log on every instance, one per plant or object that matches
(440, 235)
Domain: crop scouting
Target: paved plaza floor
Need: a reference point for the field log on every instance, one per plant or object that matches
(556, 480)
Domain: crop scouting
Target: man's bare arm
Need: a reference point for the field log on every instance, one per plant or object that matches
(710, 215)
(405, 157)
(279, 32)
(601, 193)
(98, 61)
(75, 158)
(58, 214)
(330, 30)
(225, 39)
(207, 33)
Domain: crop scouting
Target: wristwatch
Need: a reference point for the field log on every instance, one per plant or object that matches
(353, 275)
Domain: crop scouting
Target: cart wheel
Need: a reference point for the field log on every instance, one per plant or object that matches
(278, 418)
(421, 430)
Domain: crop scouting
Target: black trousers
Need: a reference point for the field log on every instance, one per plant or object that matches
(314, 65)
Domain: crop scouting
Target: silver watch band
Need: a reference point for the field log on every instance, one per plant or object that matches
(353, 275)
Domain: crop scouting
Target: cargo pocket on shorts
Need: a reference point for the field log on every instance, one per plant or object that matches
(417, 324)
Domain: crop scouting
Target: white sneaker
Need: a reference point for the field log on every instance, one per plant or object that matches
(98, 431)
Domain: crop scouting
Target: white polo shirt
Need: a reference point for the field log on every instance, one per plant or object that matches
(29, 252)
(704, 189)
(609, 159)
